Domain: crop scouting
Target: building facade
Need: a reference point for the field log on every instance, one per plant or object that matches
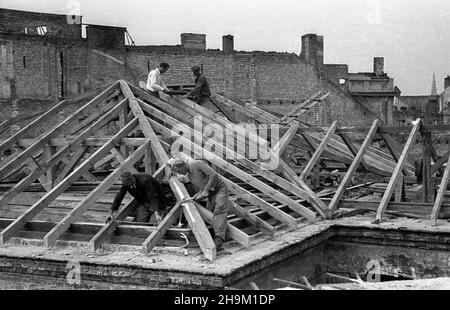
(45, 56)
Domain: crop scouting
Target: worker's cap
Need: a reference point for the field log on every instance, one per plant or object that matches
(178, 162)
(195, 68)
(126, 176)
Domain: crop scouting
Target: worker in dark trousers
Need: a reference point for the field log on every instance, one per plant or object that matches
(148, 193)
(201, 92)
(212, 188)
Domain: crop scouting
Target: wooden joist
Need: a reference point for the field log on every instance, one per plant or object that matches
(109, 228)
(232, 232)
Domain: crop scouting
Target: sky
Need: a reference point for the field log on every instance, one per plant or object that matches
(412, 35)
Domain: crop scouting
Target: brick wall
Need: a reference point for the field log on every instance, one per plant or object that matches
(266, 77)
(57, 25)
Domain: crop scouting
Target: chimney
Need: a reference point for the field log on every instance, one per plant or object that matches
(228, 44)
(378, 66)
(319, 51)
(312, 50)
(447, 82)
(193, 41)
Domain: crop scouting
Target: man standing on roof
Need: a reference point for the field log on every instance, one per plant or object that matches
(155, 84)
(201, 92)
(147, 192)
(211, 187)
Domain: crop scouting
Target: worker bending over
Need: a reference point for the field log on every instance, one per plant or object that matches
(148, 193)
(155, 83)
(211, 187)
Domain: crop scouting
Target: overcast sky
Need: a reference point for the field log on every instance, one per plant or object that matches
(412, 35)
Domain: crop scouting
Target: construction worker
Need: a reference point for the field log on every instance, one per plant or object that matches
(211, 187)
(155, 84)
(148, 193)
(201, 92)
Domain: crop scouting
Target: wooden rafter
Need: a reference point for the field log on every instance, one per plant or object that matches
(195, 220)
(36, 208)
(318, 153)
(51, 237)
(4, 170)
(397, 171)
(25, 182)
(351, 171)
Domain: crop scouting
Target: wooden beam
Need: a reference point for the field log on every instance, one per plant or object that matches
(428, 187)
(199, 138)
(440, 163)
(276, 213)
(109, 228)
(28, 180)
(400, 189)
(224, 165)
(395, 151)
(9, 143)
(290, 174)
(160, 231)
(286, 139)
(74, 160)
(435, 158)
(20, 118)
(300, 106)
(224, 111)
(318, 153)
(121, 158)
(348, 176)
(441, 194)
(232, 231)
(256, 222)
(397, 171)
(34, 210)
(32, 164)
(52, 133)
(348, 142)
(194, 219)
(422, 210)
(90, 199)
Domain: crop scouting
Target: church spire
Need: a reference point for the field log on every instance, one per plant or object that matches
(433, 86)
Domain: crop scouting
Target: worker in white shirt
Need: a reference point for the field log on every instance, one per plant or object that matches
(155, 84)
